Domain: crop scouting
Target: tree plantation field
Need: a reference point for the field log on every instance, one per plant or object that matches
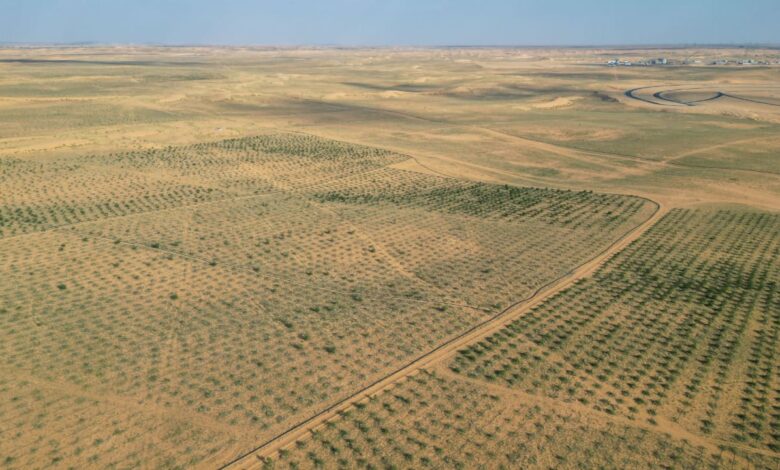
(388, 258)
(433, 420)
(308, 268)
(667, 357)
(679, 328)
(680, 332)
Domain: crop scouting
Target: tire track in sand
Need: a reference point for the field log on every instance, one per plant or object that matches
(252, 458)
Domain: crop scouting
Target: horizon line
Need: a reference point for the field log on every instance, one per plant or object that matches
(682, 45)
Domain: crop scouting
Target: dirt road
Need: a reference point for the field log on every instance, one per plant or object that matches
(667, 101)
(252, 459)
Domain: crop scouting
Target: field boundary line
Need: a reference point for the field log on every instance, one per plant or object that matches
(485, 327)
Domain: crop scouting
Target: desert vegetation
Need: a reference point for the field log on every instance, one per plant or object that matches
(401, 258)
(665, 356)
(269, 297)
(679, 328)
(436, 421)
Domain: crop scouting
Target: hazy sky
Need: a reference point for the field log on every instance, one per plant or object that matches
(392, 22)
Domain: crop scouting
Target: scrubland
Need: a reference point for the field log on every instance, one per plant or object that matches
(387, 258)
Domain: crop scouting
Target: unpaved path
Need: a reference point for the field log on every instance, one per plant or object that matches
(710, 148)
(666, 101)
(664, 426)
(252, 458)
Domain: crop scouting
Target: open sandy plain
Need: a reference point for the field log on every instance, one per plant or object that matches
(389, 258)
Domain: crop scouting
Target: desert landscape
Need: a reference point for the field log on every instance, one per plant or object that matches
(389, 257)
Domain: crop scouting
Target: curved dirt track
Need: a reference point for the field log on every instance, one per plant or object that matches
(632, 94)
(252, 459)
(663, 100)
(749, 100)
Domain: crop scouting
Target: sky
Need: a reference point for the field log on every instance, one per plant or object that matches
(391, 22)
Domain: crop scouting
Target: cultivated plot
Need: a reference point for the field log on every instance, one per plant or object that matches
(433, 420)
(678, 331)
(667, 357)
(308, 269)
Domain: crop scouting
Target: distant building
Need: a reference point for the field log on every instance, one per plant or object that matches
(628, 63)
